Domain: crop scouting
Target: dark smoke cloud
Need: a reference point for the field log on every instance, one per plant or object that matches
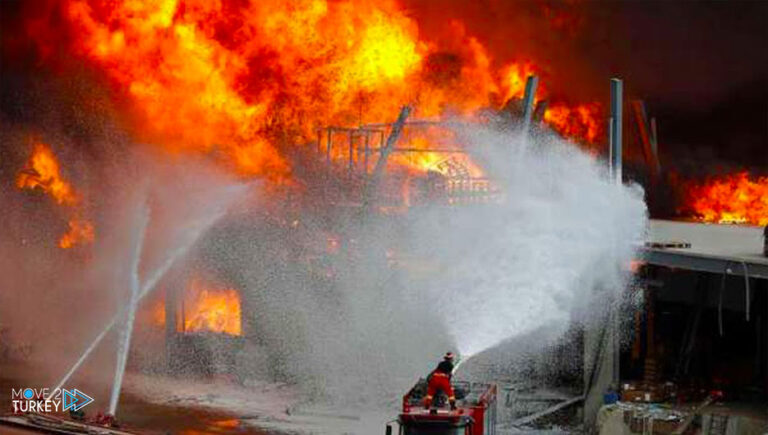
(700, 66)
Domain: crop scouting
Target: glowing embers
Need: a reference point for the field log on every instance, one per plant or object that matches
(207, 307)
(42, 172)
(735, 198)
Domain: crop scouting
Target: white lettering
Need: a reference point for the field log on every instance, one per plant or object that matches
(45, 400)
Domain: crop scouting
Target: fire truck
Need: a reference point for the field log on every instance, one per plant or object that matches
(475, 412)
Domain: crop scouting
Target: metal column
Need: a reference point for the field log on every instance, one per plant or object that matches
(530, 92)
(615, 139)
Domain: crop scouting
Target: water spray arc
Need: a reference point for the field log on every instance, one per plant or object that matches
(125, 342)
(193, 235)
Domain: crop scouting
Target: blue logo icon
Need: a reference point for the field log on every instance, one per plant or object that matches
(29, 394)
(74, 399)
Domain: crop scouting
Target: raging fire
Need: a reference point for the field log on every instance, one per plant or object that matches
(241, 80)
(736, 198)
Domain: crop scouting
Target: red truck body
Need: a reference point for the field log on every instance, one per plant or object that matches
(475, 412)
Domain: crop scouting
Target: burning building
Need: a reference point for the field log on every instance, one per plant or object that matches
(297, 104)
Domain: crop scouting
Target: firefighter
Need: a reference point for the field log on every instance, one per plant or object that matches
(440, 380)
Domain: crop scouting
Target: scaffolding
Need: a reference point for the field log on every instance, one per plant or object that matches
(358, 150)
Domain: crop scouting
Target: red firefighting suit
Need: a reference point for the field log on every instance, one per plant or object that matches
(439, 381)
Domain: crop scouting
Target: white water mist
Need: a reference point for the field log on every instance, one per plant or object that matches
(561, 229)
(466, 278)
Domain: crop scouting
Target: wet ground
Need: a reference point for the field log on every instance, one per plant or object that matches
(156, 404)
(136, 413)
(155, 418)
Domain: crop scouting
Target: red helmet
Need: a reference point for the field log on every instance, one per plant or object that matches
(448, 356)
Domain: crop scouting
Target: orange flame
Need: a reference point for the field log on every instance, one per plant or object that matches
(514, 77)
(211, 309)
(80, 231)
(438, 144)
(580, 122)
(157, 313)
(43, 172)
(735, 198)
